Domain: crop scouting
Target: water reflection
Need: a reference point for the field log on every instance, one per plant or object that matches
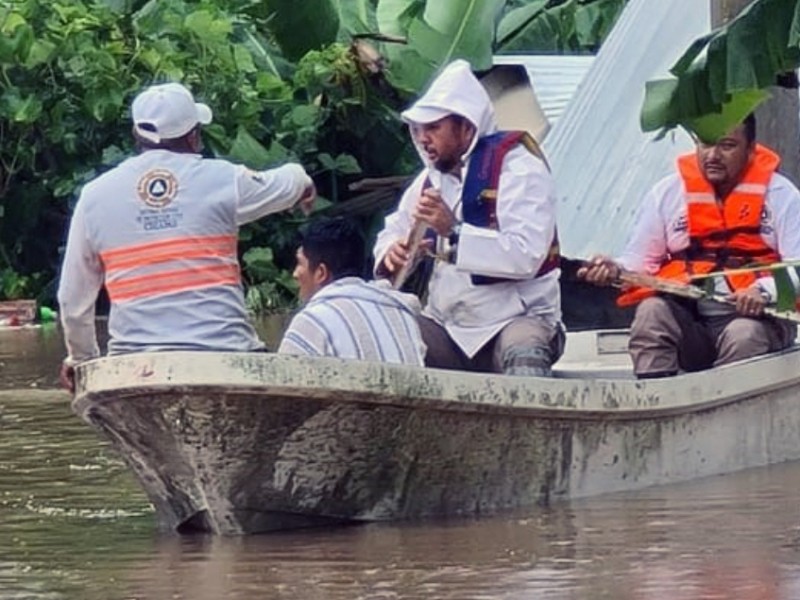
(617, 548)
(30, 356)
(74, 525)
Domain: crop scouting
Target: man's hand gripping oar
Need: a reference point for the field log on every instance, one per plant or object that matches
(431, 212)
(407, 254)
(602, 270)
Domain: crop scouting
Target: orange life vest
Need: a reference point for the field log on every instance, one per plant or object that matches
(723, 235)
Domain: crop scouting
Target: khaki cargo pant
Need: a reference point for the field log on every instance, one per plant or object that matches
(527, 346)
(668, 334)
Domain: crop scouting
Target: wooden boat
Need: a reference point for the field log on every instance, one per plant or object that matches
(237, 443)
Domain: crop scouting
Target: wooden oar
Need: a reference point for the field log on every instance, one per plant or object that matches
(659, 284)
(791, 264)
(692, 291)
(415, 237)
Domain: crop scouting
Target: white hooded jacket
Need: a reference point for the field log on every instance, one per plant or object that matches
(473, 314)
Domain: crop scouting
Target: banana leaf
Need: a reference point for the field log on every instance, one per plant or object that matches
(724, 76)
(557, 27)
(787, 296)
(530, 27)
(318, 20)
(395, 16)
(443, 31)
(355, 17)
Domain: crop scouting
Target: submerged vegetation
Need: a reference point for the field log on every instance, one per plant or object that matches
(319, 82)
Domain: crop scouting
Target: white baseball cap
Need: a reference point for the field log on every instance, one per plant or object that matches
(167, 111)
(422, 115)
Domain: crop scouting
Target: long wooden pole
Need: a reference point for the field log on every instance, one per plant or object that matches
(694, 292)
(415, 237)
(779, 117)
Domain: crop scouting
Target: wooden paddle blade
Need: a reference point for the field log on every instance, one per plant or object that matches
(413, 242)
(690, 291)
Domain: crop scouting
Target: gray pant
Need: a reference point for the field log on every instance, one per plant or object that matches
(668, 334)
(526, 346)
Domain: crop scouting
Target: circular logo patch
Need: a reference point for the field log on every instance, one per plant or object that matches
(157, 188)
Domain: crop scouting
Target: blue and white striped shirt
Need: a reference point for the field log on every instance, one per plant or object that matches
(352, 318)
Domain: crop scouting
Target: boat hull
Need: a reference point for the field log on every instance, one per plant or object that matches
(293, 442)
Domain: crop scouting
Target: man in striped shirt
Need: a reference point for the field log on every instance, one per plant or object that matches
(344, 315)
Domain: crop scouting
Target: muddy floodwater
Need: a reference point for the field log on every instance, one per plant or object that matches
(74, 525)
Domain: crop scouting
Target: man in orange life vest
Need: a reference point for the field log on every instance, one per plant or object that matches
(159, 231)
(726, 207)
(489, 202)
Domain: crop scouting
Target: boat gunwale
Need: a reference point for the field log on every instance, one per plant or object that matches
(389, 386)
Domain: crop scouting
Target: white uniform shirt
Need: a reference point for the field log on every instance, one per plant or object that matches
(351, 318)
(661, 227)
(188, 198)
(526, 216)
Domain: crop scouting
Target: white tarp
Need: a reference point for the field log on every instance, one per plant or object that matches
(531, 92)
(602, 162)
(554, 78)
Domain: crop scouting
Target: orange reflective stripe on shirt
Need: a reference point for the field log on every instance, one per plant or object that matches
(166, 250)
(181, 264)
(171, 282)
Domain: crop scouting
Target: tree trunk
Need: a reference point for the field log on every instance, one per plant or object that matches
(723, 11)
(779, 117)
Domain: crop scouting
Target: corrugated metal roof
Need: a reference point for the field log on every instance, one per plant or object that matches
(554, 78)
(602, 162)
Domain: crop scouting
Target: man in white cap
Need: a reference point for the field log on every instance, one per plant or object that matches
(493, 298)
(159, 231)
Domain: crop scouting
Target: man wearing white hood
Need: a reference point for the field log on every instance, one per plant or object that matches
(494, 303)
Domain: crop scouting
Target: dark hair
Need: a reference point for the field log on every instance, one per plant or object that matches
(750, 128)
(459, 119)
(337, 243)
(178, 144)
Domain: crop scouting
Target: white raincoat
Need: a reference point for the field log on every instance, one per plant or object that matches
(473, 314)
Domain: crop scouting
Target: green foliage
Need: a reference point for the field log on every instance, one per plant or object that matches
(355, 17)
(269, 288)
(283, 79)
(708, 97)
(69, 69)
(14, 286)
(787, 295)
(558, 27)
(438, 32)
(60, 91)
(318, 20)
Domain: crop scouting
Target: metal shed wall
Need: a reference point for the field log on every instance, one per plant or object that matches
(602, 161)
